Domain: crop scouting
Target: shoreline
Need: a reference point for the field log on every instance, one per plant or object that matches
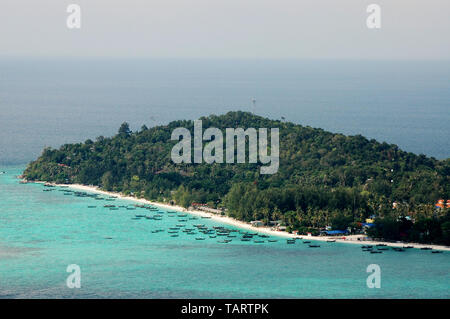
(350, 239)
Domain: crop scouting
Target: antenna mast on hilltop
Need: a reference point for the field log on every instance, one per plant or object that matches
(253, 105)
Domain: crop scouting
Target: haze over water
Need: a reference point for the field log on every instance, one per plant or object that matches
(48, 102)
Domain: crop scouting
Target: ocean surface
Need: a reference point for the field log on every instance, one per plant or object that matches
(41, 233)
(49, 102)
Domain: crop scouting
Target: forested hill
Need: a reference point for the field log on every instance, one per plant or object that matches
(321, 175)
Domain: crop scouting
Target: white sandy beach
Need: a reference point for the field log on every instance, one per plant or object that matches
(350, 239)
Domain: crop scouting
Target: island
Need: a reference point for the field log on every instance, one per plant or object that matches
(327, 183)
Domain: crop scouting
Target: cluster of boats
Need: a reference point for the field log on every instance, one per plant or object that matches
(223, 234)
(379, 248)
(68, 192)
(203, 232)
(294, 240)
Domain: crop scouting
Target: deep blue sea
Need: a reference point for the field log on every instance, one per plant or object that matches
(48, 102)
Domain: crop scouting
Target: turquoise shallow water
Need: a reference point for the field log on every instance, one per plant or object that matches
(41, 233)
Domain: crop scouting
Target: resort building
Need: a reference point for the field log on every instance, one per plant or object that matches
(257, 223)
(205, 208)
(442, 204)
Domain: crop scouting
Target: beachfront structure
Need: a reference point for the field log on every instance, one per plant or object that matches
(334, 232)
(257, 223)
(366, 226)
(275, 223)
(205, 208)
(210, 210)
(441, 203)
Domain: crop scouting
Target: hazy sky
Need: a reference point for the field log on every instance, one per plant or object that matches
(411, 29)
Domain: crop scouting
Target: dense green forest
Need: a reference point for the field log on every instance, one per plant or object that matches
(323, 178)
